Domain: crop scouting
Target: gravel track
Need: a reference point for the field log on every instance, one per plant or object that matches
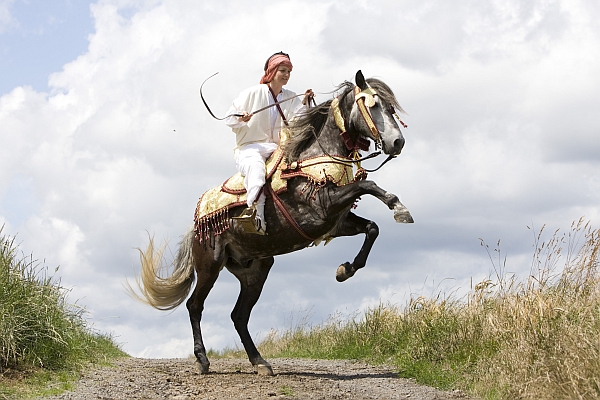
(177, 379)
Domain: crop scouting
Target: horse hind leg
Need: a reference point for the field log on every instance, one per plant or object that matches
(207, 272)
(252, 279)
(351, 226)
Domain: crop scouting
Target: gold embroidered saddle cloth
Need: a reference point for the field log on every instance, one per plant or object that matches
(212, 212)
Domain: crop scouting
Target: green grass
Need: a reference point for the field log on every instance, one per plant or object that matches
(537, 338)
(44, 339)
(36, 383)
(286, 391)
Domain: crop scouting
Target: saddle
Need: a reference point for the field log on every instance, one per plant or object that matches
(212, 211)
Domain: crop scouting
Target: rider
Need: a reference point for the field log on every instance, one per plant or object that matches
(257, 135)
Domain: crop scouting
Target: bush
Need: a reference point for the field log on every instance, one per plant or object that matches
(38, 327)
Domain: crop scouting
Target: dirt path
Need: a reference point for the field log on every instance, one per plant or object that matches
(177, 379)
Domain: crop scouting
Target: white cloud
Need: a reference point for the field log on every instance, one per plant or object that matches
(432, 36)
(6, 19)
(502, 133)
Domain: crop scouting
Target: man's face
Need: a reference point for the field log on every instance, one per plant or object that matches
(282, 75)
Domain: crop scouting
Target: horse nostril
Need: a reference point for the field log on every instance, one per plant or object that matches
(398, 144)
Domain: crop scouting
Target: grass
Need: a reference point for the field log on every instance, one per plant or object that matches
(32, 383)
(286, 391)
(535, 338)
(44, 340)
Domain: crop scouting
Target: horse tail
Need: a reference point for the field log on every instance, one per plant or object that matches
(160, 291)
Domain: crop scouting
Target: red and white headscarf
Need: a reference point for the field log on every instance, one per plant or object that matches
(274, 63)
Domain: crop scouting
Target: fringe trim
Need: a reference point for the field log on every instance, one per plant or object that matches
(214, 224)
(211, 225)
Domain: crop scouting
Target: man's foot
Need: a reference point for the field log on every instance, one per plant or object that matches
(260, 225)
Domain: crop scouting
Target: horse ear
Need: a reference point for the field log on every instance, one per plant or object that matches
(360, 80)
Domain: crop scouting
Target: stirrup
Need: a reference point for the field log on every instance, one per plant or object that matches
(248, 213)
(249, 222)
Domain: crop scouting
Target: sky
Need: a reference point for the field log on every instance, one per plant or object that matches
(104, 141)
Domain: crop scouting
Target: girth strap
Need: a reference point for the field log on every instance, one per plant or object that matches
(288, 217)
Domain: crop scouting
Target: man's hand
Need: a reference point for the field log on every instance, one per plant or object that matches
(308, 96)
(245, 117)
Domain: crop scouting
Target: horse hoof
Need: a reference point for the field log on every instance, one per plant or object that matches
(202, 368)
(341, 275)
(403, 216)
(264, 369)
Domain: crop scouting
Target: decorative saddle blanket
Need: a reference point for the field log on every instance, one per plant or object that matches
(212, 212)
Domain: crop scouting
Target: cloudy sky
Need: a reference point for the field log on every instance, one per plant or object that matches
(103, 139)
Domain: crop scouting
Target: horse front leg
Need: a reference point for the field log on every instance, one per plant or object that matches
(346, 195)
(350, 226)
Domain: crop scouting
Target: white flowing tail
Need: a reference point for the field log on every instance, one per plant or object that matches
(160, 291)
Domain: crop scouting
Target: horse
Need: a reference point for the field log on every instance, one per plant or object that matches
(314, 206)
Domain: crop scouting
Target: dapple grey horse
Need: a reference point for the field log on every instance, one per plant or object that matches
(303, 214)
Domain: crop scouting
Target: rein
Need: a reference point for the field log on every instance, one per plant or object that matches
(354, 160)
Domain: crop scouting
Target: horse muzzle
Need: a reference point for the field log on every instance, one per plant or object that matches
(393, 148)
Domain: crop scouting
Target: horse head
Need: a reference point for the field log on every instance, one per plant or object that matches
(373, 114)
(361, 112)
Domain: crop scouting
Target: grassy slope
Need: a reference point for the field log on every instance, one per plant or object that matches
(44, 340)
(537, 339)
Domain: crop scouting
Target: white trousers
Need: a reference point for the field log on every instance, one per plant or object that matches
(250, 161)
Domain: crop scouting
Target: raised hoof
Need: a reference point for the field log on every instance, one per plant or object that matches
(341, 275)
(402, 215)
(264, 369)
(202, 368)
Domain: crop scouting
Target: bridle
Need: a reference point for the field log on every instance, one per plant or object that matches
(364, 99)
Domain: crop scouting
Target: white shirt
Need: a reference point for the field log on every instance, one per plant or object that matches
(262, 127)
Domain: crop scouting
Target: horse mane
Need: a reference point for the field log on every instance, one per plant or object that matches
(309, 125)
(385, 93)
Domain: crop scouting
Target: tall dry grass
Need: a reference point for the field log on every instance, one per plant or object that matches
(549, 324)
(534, 338)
